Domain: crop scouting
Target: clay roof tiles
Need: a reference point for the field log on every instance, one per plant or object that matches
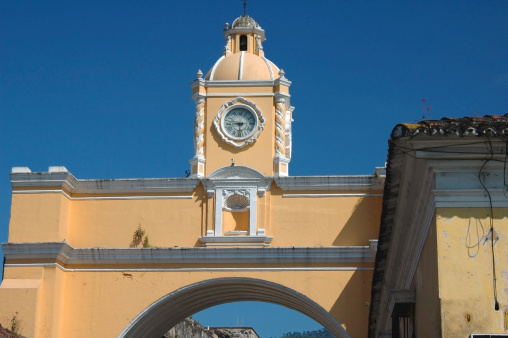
(471, 125)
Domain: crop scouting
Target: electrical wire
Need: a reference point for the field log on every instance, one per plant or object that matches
(478, 238)
(496, 303)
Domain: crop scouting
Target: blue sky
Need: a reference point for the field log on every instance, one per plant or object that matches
(103, 87)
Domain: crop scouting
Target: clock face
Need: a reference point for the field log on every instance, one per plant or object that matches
(239, 123)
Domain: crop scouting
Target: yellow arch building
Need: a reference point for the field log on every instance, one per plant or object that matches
(241, 228)
(238, 228)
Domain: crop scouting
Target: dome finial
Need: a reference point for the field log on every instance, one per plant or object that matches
(244, 7)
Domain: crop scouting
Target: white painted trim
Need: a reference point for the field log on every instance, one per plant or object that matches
(469, 198)
(342, 268)
(212, 73)
(233, 104)
(346, 182)
(253, 241)
(253, 213)
(332, 195)
(240, 70)
(66, 254)
(218, 212)
(239, 94)
(66, 181)
(269, 66)
(101, 197)
(19, 170)
(236, 83)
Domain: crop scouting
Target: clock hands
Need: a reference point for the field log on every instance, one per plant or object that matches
(239, 123)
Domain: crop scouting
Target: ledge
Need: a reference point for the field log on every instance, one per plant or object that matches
(224, 241)
(327, 183)
(31, 253)
(22, 181)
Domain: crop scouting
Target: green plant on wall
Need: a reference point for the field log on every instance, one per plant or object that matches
(146, 243)
(15, 324)
(139, 238)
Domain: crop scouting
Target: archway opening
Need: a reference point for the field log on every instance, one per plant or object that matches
(169, 310)
(266, 319)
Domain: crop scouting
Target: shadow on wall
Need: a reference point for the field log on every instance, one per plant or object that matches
(352, 306)
(363, 224)
(203, 206)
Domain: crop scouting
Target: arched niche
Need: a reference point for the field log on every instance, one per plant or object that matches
(235, 223)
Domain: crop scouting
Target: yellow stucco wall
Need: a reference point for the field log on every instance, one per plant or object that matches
(69, 303)
(105, 223)
(466, 270)
(258, 155)
(28, 210)
(324, 221)
(101, 304)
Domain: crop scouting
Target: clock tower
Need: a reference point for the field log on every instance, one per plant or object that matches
(243, 111)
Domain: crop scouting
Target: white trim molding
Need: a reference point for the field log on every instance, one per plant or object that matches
(223, 182)
(327, 183)
(64, 254)
(64, 182)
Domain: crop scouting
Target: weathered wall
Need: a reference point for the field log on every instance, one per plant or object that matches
(466, 271)
(427, 305)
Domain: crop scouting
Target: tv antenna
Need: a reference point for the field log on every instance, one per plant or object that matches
(425, 116)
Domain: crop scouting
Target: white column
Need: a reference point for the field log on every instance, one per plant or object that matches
(253, 211)
(218, 212)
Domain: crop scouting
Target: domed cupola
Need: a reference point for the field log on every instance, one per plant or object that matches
(243, 57)
(245, 21)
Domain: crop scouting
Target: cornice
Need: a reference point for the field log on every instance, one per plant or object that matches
(326, 183)
(63, 253)
(33, 182)
(282, 81)
(198, 82)
(239, 83)
(238, 94)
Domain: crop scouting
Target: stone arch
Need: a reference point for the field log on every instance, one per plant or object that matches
(169, 310)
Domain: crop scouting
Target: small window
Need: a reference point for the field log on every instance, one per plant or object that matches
(243, 42)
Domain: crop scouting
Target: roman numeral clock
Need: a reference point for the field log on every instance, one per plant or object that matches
(239, 122)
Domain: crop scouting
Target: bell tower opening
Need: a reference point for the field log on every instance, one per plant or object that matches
(243, 42)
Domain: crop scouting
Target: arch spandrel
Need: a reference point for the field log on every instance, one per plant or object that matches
(163, 314)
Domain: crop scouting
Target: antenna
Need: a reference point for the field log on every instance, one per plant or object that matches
(423, 109)
(244, 7)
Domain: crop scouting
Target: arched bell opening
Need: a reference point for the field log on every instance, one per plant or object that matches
(243, 42)
(169, 310)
